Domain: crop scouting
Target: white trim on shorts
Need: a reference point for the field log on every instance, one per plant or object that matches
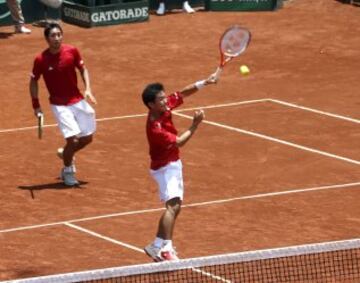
(75, 120)
(170, 181)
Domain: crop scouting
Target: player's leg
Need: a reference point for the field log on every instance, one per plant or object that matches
(85, 117)
(166, 228)
(162, 248)
(69, 150)
(161, 9)
(69, 128)
(77, 144)
(17, 16)
(167, 220)
(187, 8)
(84, 141)
(170, 181)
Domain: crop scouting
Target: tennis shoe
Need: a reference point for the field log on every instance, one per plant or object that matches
(153, 252)
(22, 29)
(169, 254)
(69, 178)
(161, 10)
(187, 8)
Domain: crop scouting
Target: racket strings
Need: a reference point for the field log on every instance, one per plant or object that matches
(235, 41)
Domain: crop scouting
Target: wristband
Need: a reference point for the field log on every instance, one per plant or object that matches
(200, 84)
(35, 103)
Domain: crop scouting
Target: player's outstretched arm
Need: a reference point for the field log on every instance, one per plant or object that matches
(192, 88)
(184, 137)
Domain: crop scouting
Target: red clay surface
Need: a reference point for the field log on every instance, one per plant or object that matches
(306, 53)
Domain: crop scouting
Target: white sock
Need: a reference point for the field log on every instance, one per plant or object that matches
(158, 242)
(68, 169)
(168, 245)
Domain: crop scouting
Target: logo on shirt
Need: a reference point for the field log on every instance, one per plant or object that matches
(50, 68)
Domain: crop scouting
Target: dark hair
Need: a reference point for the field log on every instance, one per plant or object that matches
(49, 27)
(150, 92)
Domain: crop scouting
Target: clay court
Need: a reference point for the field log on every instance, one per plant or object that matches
(275, 164)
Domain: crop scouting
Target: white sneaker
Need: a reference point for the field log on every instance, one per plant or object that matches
(161, 10)
(22, 29)
(187, 8)
(69, 178)
(170, 254)
(153, 252)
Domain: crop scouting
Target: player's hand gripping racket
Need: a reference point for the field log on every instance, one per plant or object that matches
(233, 42)
(40, 117)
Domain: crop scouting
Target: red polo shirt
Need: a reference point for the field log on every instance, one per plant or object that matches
(161, 134)
(59, 74)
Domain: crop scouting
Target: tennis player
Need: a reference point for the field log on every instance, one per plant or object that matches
(75, 117)
(166, 166)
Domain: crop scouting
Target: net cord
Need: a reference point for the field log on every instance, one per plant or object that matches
(194, 262)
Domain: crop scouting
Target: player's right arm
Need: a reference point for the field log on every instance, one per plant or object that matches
(185, 136)
(34, 93)
(192, 88)
(34, 87)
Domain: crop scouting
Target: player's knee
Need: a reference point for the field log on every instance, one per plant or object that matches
(174, 206)
(72, 142)
(87, 140)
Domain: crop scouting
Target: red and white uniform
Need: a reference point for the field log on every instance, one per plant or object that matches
(59, 74)
(166, 167)
(75, 117)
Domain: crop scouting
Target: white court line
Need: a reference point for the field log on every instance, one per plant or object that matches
(225, 105)
(97, 235)
(315, 111)
(264, 195)
(327, 154)
(212, 276)
(138, 115)
(87, 231)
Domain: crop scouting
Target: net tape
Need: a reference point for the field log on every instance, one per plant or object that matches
(194, 263)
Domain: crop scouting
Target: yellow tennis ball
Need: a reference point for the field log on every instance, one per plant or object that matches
(244, 70)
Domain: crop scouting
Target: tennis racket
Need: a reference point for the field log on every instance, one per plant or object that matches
(232, 43)
(40, 117)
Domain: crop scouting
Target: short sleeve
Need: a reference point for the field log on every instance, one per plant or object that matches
(174, 100)
(78, 61)
(37, 69)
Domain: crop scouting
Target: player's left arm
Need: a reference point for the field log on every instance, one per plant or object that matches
(194, 87)
(79, 64)
(86, 79)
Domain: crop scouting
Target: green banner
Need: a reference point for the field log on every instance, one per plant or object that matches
(120, 13)
(241, 5)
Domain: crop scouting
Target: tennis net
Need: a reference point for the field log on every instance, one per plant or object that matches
(315, 263)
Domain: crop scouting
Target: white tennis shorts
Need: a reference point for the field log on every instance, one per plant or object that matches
(75, 120)
(170, 181)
